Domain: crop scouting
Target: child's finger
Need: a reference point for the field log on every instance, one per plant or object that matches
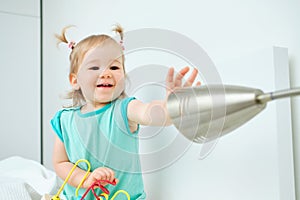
(170, 75)
(108, 174)
(191, 79)
(180, 75)
(99, 175)
(198, 83)
(169, 79)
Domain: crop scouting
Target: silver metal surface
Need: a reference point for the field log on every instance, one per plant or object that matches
(278, 95)
(205, 113)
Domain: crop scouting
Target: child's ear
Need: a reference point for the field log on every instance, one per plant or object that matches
(73, 81)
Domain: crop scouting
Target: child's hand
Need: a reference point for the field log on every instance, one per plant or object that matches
(101, 173)
(172, 83)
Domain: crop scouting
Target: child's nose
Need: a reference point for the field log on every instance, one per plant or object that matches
(105, 73)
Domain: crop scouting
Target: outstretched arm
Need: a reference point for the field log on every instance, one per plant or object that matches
(155, 113)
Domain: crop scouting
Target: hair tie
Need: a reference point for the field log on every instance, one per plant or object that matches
(121, 43)
(71, 44)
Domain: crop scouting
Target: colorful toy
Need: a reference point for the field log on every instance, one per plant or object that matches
(56, 197)
(105, 194)
(116, 194)
(98, 183)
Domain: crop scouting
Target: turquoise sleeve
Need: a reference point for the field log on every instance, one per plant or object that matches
(124, 106)
(55, 123)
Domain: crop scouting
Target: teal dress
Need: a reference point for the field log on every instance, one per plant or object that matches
(102, 137)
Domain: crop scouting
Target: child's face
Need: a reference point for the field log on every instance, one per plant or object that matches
(101, 74)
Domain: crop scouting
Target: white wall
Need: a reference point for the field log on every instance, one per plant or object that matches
(20, 79)
(227, 30)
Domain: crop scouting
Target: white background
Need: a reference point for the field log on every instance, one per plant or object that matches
(229, 31)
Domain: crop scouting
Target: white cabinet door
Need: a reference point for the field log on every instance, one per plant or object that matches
(20, 80)
(26, 8)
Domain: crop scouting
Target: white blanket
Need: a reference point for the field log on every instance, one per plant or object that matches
(24, 179)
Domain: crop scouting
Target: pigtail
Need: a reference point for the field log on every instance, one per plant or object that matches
(75, 95)
(119, 30)
(62, 38)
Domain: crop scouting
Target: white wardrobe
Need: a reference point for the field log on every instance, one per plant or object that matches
(20, 79)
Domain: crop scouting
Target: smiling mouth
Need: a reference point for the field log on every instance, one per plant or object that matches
(104, 85)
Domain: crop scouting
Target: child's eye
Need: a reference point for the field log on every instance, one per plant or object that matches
(94, 68)
(114, 67)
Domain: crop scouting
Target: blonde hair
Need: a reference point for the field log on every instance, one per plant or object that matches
(78, 52)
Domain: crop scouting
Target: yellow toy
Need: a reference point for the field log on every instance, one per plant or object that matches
(116, 194)
(98, 183)
(56, 197)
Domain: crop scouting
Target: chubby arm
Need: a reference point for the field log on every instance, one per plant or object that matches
(155, 113)
(152, 114)
(63, 166)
